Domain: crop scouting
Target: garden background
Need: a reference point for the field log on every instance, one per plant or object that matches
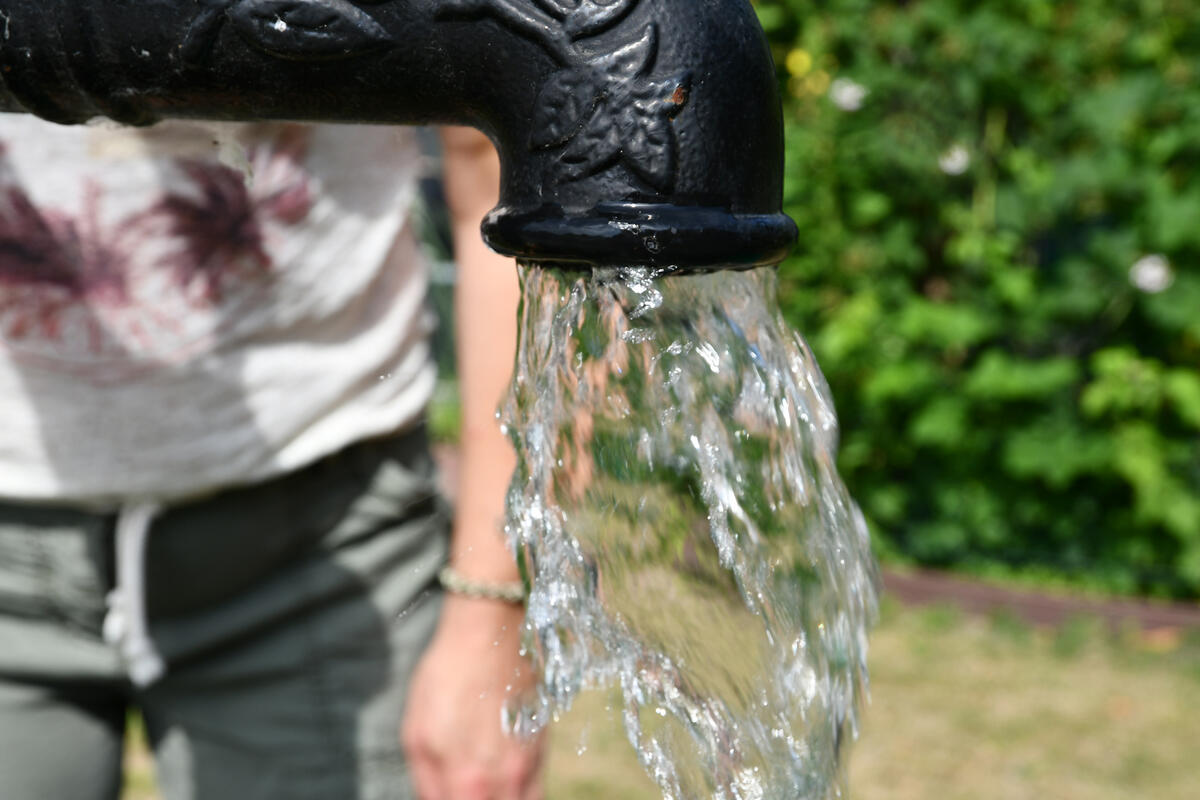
(999, 271)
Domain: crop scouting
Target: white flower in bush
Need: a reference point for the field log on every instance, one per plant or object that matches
(955, 161)
(848, 95)
(1151, 274)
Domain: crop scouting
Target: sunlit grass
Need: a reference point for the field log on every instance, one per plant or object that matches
(963, 708)
(139, 766)
(979, 709)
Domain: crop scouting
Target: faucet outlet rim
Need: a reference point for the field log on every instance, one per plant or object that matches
(671, 237)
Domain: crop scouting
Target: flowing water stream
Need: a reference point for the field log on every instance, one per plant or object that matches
(685, 531)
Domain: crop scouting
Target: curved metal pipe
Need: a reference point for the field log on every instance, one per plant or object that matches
(630, 131)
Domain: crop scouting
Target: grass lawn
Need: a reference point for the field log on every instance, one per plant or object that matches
(962, 708)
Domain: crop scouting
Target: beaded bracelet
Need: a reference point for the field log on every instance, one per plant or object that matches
(455, 582)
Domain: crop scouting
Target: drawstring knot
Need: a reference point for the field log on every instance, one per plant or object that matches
(125, 625)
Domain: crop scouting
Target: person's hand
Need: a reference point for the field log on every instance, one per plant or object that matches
(452, 731)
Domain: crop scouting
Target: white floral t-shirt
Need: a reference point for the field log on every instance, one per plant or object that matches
(194, 306)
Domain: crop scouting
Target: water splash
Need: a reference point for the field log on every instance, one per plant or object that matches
(685, 531)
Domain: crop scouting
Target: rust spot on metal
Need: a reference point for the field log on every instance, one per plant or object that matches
(680, 95)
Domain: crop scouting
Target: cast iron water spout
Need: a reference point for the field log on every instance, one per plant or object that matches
(631, 131)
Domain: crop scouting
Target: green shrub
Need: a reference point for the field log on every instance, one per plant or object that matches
(999, 206)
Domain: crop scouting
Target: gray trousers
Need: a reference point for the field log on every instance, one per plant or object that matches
(290, 615)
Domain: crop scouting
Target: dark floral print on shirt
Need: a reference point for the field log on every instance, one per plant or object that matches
(199, 241)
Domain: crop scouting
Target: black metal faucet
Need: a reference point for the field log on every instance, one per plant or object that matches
(630, 131)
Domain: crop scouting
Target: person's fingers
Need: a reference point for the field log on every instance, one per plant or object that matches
(427, 778)
(535, 790)
(510, 781)
(423, 765)
(520, 772)
(472, 784)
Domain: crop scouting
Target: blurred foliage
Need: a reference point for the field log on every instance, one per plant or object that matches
(999, 270)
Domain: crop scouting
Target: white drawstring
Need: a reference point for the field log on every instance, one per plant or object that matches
(125, 624)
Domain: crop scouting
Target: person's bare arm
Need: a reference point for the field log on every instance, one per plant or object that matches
(486, 299)
(452, 729)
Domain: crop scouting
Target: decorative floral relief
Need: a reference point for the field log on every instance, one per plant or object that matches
(603, 107)
(305, 30)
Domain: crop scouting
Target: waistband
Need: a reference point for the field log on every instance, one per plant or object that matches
(126, 624)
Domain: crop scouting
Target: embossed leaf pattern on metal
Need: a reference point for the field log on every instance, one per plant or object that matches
(568, 99)
(634, 59)
(303, 30)
(307, 29)
(582, 18)
(632, 121)
(602, 107)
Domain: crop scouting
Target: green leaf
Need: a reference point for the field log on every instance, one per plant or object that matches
(943, 325)
(1124, 384)
(1182, 388)
(899, 380)
(941, 424)
(1000, 376)
(1056, 452)
(870, 207)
